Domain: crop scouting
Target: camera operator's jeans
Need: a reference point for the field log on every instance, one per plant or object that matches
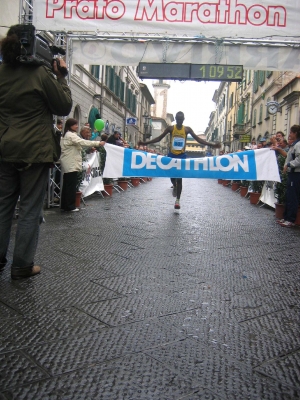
(30, 185)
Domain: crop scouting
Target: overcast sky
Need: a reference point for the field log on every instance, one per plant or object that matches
(193, 98)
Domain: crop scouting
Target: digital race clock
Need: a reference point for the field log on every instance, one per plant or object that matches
(217, 72)
(195, 72)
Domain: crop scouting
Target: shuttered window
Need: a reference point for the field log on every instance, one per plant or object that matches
(241, 113)
(261, 77)
(122, 91)
(254, 118)
(260, 113)
(255, 82)
(95, 71)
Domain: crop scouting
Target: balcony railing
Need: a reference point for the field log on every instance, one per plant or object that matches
(238, 129)
(227, 139)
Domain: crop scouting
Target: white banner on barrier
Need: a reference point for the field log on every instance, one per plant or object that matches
(212, 18)
(268, 194)
(92, 180)
(249, 165)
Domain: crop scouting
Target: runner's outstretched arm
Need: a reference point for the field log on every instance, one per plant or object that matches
(216, 145)
(157, 139)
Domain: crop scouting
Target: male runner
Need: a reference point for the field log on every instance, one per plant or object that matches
(178, 135)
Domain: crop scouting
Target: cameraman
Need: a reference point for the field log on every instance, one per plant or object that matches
(29, 96)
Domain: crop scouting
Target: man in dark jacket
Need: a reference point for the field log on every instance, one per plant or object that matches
(29, 96)
(113, 139)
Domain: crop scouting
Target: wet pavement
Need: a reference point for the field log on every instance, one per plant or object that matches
(137, 302)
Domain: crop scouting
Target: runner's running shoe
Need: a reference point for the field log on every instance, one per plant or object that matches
(177, 204)
(287, 224)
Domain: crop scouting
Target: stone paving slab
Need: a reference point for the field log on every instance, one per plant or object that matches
(281, 325)
(283, 369)
(136, 376)
(7, 312)
(137, 302)
(206, 367)
(66, 355)
(138, 307)
(158, 280)
(17, 370)
(53, 295)
(46, 327)
(243, 343)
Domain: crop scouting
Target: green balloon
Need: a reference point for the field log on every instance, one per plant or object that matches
(99, 124)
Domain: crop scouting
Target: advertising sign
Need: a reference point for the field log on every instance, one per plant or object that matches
(212, 18)
(245, 139)
(250, 165)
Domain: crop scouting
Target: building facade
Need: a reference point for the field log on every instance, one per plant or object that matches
(247, 114)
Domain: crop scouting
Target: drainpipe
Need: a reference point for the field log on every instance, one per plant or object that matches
(125, 108)
(101, 93)
(226, 115)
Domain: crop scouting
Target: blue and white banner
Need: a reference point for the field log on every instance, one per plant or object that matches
(252, 165)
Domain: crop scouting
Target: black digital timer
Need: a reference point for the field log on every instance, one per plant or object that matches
(217, 72)
(195, 72)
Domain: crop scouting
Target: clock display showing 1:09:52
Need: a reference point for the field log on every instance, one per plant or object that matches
(217, 72)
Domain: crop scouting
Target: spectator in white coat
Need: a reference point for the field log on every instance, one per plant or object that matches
(71, 162)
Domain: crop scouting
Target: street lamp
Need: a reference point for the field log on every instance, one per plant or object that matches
(147, 127)
(99, 96)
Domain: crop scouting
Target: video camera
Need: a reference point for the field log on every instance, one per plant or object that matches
(36, 50)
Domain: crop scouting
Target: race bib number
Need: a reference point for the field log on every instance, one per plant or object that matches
(178, 143)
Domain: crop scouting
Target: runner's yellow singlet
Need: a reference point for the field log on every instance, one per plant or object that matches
(178, 140)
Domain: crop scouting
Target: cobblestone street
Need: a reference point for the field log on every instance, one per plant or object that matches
(137, 302)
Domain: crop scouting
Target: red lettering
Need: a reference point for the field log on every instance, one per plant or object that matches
(151, 9)
(52, 6)
(174, 12)
(115, 9)
(190, 9)
(277, 16)
(100, 7)
(257, 15)
(223, 12)
(207, 13)
(237, 12)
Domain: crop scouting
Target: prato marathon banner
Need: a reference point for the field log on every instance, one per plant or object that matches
(209, 18)
(258, 165)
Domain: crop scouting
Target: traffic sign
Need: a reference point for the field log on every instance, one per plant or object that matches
(131, 121)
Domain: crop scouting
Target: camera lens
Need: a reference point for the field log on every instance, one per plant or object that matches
(24, 38)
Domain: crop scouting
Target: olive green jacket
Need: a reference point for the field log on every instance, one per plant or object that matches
(29, 96)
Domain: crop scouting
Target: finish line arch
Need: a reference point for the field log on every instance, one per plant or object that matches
(125, 33)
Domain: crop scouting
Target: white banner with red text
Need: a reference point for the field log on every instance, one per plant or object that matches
(210, 18)
(260, 165)
(91, 179)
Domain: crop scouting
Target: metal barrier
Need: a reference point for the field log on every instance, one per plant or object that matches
(54, 185)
